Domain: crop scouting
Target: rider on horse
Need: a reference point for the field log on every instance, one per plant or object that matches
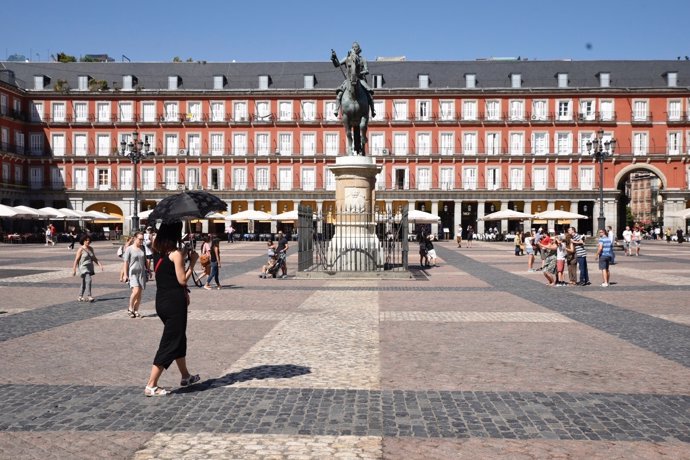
(362, 72)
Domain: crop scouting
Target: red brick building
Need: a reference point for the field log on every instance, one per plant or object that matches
(460, 139)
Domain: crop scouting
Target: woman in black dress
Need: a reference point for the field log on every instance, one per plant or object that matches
(172, 299)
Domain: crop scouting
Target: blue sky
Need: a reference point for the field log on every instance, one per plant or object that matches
(270, 30)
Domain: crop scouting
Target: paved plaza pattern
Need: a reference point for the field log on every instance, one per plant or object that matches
(475, 358)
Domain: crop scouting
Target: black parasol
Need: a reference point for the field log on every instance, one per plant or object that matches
(187, 205)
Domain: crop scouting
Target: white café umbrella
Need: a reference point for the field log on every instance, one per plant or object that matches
(7, 211)
(421, 217)
(289, 216)
(25, 211)
(101, 215)
(507, 214)
(144, 214)
(53, 213)
(247, 215)
(557, 214)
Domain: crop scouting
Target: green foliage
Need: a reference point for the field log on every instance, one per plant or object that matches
(98, 85)
(63, 57)
(177, 59)
(61, 86)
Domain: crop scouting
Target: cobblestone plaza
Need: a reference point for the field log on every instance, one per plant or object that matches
(476, 358)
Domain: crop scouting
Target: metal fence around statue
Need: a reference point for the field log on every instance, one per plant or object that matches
(352, 242)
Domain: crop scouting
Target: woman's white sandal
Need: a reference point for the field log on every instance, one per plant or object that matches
(155, 391)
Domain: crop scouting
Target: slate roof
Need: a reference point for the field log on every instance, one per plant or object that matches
(396, 74)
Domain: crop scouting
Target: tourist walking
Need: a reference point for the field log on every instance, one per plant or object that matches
(84, 262)
(172, 302)
(470, 236)
(529, 250)
(49, 236)
(637, 239)
(604, 251)
(214, 251)
(627, 240)
(135, 273)
(282, 248)
(679, 235)
(458, 236)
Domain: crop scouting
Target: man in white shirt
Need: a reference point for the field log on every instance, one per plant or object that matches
(627, 240)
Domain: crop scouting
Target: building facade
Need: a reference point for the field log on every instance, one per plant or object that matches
(458, 139)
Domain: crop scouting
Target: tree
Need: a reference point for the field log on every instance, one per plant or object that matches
(63, 57)
(177, 59)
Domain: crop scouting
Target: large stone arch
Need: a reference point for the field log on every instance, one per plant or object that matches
(622, 202)
(623, 173)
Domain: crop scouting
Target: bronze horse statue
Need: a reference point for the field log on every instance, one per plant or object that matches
(355, 109)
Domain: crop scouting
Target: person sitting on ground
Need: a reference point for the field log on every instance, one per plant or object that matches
(270, 263)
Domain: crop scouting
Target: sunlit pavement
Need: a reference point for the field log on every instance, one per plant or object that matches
(475, 358)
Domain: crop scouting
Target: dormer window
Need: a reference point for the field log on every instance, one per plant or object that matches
(128, 82)
(604, 79)
(515, 80)
(672, 79)
(562, 80)
(378, 81)
(423, 81)
(263, 81)
(219, 81)
(83, 82)
(39, 82)
(470, 80)
(309, 82)
(173, 82)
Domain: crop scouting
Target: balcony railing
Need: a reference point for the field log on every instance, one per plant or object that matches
(641, 119)
(677, 118)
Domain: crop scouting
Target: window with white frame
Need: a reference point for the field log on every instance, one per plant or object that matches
(517, 143)
(262, 178)
(329, 180)
(604, 79)
(239, 144)
(515, 80)
(447, 110)
(239, 111)
(640, 144)
(329, 111)
(540, 143)
(424, 110)
(446, 178)
(539, 178)
(585, 137)
(193, 111)
(285, 144)
(36, 143)
(5, 137)
(126, 112)
(607, 111)
(285, 178)
(470, 80)
(423, 81)
(493, 178)
(493, 143)
(57, 178)
(399, 110)
(173, 82)
(469, 143)
(517, 178)
(216, 179)
(308, 179)
(6, 172)
(125, 179)
(540, 110)
(103, 178)
(563, 178)
(3, 104)
(423, 144)
(36, 177)
(218, 81)
(469, 178)
(148, 110)
(239, 179)
(148, 178)
(587, 110)
(332, 143)
(217, 111)
(263, 111)
(194, 144)
(674, 110)
(586, 178)
(469, 110)
(308, 144)
(263, 144)
(172, 145)
(80, 145)
(81, 179)
(58, 145)
(376, 143)
(308, 110)
(447, 142)
(103, 112)
(59, 114)
(263, 81)
(37, 111)
(639, 110)
(380, 109)
(171, 110)
(81, 112)
(103, 145)
(674, 146)
(309, 82)
(285, 110)
(493, 110)
(217, 141)
(401, 179)
(19, 142)
(562, 80)
(423, 178)
(400, 144)
(170, 175)
(19, 175)
(564, 143)
(516, 109)
(565, 112)
(193, 179)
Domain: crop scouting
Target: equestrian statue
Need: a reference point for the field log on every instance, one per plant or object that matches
(355, 98)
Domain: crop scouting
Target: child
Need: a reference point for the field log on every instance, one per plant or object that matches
(560, 261)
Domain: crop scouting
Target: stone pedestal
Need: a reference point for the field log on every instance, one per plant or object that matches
(354, 246)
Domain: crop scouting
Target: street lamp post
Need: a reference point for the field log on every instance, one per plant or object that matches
(601, 150)
(136, 150)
